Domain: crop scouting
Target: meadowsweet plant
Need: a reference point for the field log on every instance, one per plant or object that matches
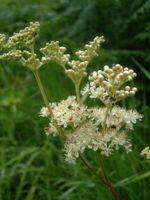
(101, 129)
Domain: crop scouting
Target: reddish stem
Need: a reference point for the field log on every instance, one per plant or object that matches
(107, 180)
(92, 171)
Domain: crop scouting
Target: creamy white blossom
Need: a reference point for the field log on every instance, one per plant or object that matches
(87, 136)
(102, 133)
(117, 117)
(91, 128)
(67, 113)
(51, 130)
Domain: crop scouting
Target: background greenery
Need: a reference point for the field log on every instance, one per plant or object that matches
(31, 165)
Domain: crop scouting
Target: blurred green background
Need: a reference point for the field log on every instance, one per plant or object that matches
(32, 165)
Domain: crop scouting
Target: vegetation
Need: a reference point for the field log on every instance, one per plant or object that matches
(32, 165)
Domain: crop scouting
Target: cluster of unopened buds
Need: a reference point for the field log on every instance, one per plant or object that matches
(53, 52)
(108, 84)
(101, 129)
(24, 38)
(90, 49)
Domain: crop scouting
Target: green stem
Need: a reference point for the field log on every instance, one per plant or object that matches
(39, 82)
(105, 118)
(77, 93)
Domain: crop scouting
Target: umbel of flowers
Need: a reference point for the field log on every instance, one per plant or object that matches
(99, 128)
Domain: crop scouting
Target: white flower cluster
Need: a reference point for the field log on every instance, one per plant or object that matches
(20, 46)
(53, 52)
(90, 49)
(87, 136)
(118, 118)
(90, 128)
(77, 68)
(67, 114)
(25, 38)
(108, 85)
(30, 60)
(92, 135)
(13, 54)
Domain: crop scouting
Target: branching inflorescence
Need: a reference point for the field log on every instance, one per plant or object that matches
(102, 129)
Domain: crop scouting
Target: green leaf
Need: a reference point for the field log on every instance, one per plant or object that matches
(145, 72)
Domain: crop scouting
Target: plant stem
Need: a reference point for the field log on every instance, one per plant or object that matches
(39, 82)
(77, 93)
(107, 180)
(92, 171)
(105, 118)
(105, 177)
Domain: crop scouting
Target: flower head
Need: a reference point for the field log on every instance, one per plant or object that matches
(11, 55)
(77, 68)
(25, 38)
(108, 85)
(53, 52)
(67, 113)
(90, 49)
(87, 136)
(117, 117)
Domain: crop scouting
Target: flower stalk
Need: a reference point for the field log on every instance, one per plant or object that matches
(92, 171)
(106, 179)
(77, 92)
(40, 85)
